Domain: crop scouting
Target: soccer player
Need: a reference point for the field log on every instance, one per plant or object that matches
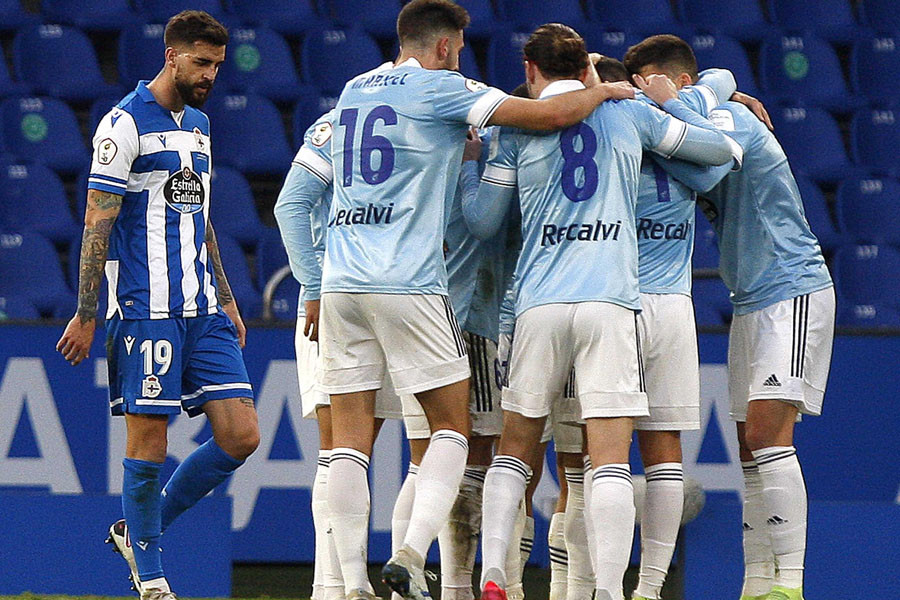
(174, 333)
(397, 151)
(578, 288)
(779, 349)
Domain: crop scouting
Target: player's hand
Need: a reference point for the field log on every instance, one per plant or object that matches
(754, 105)
(591, 78)
(231, 309)
(311, 327)
(619, 90)
(472, 150)
(658, 88)
(75, 343)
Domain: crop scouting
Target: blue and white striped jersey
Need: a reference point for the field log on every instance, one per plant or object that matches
(160, 162)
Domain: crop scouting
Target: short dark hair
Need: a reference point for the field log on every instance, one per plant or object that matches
(611, 69)
(191, 26)
(521, 91)
(557, 50)
(423, 19)
(669, 52)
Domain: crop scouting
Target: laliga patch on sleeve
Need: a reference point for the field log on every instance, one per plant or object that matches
(475, 86)
(722, 119)
(321, 135)
(106, 151)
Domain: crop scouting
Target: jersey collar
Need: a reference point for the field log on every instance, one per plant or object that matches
(561, 86)
(144, 92)
(410, 62)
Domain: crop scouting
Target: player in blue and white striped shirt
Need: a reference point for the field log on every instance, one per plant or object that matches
(174, 333)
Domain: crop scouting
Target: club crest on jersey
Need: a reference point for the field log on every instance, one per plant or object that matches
(198, 140)
(321, 135)
(106, 151)
(184, 192)
(475, 86)
(150, 387)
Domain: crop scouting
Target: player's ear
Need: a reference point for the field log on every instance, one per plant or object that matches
(170, 55)
(530, 71)
(443, 48)
(683, 80)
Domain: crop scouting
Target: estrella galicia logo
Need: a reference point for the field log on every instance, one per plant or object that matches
(184, 192)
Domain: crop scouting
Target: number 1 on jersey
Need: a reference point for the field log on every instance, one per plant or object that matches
(370, 143)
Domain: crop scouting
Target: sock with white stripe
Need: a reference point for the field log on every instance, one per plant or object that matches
(784, 494)
(559, 561)
(458, 540)
(612, 509)
(319, 506)
(589, 527)
(580, 581)
(659, 526)
(348, 504)
(759, 561)
(526, 544)
(199, 474)
(437, 485)
(504, 485)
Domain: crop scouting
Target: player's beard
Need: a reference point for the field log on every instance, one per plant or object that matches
(192, 93)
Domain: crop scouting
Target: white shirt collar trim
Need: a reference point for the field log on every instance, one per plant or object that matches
(561, 86)
(410, 62)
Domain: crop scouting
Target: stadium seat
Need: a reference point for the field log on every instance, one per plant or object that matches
(377, 17)
(232, 208)
(881, 15)
(868, 274)
(804, 68)
(329, 58)
(248, 134)
(706, 248)
(875, 139)
(29, 268)
(711, 302)
(526, 15)
(608, 42)
(308, 110)
(89, 15)
(868, 315)
(17, 307)
(812, 141)
(8, 87)
(13, 16)
(98, 110)
(287, 18)
(721, 51)
(238, 273)
(285, 299)
(647, 17)
(32, 198)
(141, 50)
(504, 60)
(817, 214)
(59, 60)
(44, 130)
(875, 67)
(159, 11)
(868, 209)
(259, 61)
(831, 19)
(741, 19)
(484, 22)
(270, 256)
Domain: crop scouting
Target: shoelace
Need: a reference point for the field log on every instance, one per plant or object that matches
(430, 575)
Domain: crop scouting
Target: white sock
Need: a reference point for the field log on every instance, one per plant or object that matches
(332, 578)
(437, 485)
(458, 539)
(659, 526)
(159, 583)
(348, 502)
(504, 486)
(403, 507)
(526, 544)
(580, 582)
(320, 522)
(559, 560)
(759, 561)
(589, 525)
(612, 508)
(514, 588)
(784, 493)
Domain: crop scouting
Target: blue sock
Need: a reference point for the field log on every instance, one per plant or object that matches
(198, 475)
(140, 505)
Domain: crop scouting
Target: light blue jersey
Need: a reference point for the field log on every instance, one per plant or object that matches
(578, 191)
(767, 251)
(159, 162)
(397, 153)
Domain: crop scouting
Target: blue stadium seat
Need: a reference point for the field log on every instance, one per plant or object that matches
(285, 300)
(330, 57)
(868, 274)
(237, 271)
(721, 51)
(159, 11)
(806, 68)
(248, 134)
(9, 87)
(742, 19)
(608, 42)
(881, 15)
(484, 21)
(259, 61)
(875, 67)
(32, 198)
(526, 15)
(647, 17)
(270, 256)
(812, 141)
(377, 17)
(13, 16)
(89, 15)
(817, 214)
(706, 249)
(505, 69)
(311, 106)
(287, 18)
(17, 307)
(232, 208)
(831, 19)
(60, 61)
(29, 267)
(875, 139)
(868, 209)
(98, 110)
(44, 130)
(868, 315)
(141, 53)
(711, 302)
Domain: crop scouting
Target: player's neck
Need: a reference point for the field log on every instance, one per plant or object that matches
(427, 59)
(163, 89)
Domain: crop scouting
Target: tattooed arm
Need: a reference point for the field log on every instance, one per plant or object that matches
(100, 215)
(223, 289)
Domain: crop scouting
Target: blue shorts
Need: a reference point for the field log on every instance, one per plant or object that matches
(159, 366)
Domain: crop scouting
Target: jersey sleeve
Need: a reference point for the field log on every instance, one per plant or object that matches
(465, 100)
(714, 87)
(315, 153)
(669, 136)
(484, 212)
(116, 145)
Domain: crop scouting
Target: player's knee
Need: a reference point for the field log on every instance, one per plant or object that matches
(242, 443)
(758, 436)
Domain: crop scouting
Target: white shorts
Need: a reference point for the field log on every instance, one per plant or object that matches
(387, 403)
(565, 416)
(414, 337)
(671, 362)
(598, 339)
(782, 352)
